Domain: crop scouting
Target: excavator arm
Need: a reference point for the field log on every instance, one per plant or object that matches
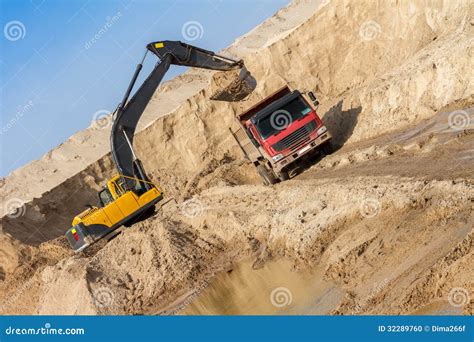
(130, 195)
(129, 112)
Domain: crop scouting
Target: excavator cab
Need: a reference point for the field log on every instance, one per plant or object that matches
(105, 197)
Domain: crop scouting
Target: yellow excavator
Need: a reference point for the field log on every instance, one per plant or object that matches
(130, 195)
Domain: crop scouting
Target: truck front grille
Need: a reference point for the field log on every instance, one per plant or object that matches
(301, 134)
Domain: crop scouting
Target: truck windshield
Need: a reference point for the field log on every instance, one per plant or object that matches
(278, 120)
(105, 197)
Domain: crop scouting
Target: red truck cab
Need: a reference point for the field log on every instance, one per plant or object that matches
(283, 128)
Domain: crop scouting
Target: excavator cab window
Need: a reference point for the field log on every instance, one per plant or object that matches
(118, 188)
(105, 197)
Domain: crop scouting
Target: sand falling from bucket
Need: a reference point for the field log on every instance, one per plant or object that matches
(232, 86)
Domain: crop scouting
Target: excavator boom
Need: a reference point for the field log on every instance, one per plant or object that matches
(192, 56)
(129, 113)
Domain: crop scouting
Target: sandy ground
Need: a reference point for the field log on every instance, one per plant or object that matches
(386, 220)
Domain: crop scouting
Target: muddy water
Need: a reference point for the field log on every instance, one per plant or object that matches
(272, 290)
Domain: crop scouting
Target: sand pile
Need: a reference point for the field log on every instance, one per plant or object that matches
(22, 278)
(368, 89)
(11, 255)
(155, 260)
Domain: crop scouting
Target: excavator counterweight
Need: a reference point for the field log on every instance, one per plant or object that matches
(130, 195)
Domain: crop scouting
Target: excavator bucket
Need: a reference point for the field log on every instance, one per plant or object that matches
(233, 85)
(233, 82)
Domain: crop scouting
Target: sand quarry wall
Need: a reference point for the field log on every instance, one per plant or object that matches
(377, 66)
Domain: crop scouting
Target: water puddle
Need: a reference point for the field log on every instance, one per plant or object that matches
(271, 290)
(438, 308)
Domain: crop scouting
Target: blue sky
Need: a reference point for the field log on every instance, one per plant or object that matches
(54, 75)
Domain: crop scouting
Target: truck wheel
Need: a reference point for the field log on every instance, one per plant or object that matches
(284, 175)
(267, 176)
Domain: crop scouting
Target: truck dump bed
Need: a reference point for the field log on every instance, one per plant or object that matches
(244, 116)
(248, 148)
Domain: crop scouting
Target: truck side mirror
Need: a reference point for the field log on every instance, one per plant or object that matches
(313, 98)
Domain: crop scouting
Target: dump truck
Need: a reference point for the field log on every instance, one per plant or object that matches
(130, 195)
(278, 132)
